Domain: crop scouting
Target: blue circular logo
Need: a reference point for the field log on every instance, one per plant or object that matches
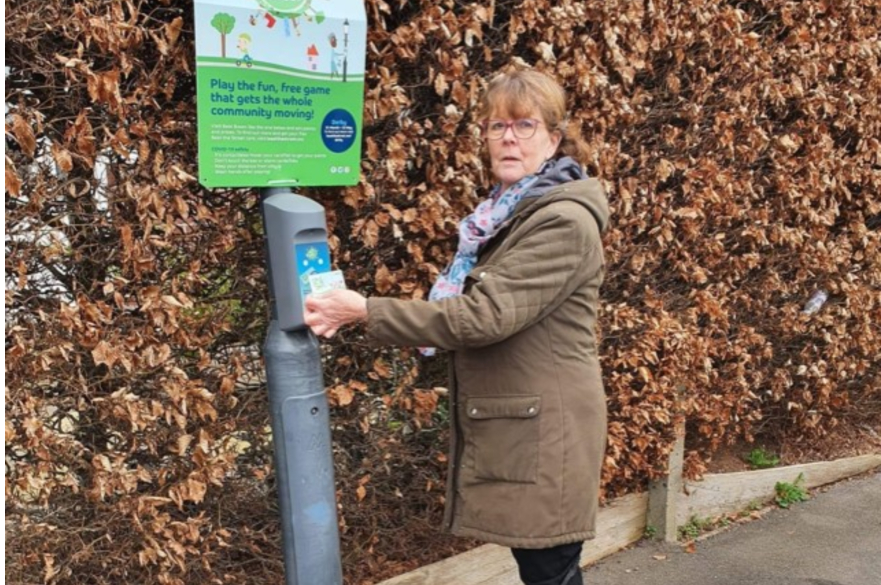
(338, 130)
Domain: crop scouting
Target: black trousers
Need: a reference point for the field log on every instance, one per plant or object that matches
(557, 565)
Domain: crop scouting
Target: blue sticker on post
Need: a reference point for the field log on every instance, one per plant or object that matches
(312, 258)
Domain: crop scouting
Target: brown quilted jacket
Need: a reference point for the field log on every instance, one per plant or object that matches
(527, 405)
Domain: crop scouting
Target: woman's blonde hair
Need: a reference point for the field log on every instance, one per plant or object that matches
(520, 93)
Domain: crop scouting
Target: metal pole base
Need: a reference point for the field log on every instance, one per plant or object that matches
(303, 458)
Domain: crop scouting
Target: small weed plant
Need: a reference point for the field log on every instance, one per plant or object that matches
(761, 459)
(695, 527)
(791, 493)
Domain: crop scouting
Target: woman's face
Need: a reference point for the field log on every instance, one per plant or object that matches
(512, 158)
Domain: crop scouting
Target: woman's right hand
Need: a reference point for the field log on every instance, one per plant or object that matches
(327, 312)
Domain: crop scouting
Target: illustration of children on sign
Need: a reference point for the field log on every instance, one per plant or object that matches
(244, 45)
(336, 57)
(312, 58)
(288, 11)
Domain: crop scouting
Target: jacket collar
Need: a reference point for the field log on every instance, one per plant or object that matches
(587, 192)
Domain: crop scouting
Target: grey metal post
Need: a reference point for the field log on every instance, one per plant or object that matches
(300, 426)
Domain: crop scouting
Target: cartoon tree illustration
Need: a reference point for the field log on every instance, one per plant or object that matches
(291, 10)
(224, 23)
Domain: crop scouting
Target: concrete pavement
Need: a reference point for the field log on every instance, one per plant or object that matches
(832, 539)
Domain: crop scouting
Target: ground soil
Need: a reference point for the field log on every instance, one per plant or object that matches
(847, 440)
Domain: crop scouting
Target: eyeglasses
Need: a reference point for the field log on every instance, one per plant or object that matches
(522, 128)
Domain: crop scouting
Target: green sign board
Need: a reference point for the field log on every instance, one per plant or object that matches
(280, 91)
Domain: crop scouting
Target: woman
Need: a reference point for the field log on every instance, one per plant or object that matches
(517, 307)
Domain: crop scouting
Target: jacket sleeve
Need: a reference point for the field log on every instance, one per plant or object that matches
(542, 268)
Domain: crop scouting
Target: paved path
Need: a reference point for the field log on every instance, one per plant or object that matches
(832, 539)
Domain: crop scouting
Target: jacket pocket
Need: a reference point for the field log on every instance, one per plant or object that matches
(505, 437)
